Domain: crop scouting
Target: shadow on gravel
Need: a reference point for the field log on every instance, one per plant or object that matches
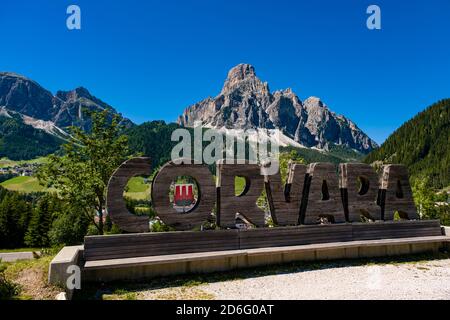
(95, 291)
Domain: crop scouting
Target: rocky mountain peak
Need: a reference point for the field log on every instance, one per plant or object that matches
(72, 95)
(240, 72)
(243, 78)
(27, 97)
(246, 102)
(314, 102)
(20, 94)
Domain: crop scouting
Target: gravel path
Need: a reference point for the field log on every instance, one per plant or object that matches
(419, 280)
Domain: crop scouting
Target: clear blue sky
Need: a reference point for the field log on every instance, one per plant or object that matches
(151, 59)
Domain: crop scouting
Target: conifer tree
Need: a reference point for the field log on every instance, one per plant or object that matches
(37, 233)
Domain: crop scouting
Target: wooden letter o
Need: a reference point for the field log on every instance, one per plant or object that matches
(206, 197)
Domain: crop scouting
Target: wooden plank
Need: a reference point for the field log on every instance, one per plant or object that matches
(168, 243)
(397, 229)
(270, 237)
(117, 246)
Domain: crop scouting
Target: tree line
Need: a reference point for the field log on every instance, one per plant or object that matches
(422, 144)
(38, 220)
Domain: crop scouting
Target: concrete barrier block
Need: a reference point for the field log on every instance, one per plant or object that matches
(58, 268)
(398, 250)
(165, 269)
(425, 247)
(264, 259)
(242, 261)
(330, 254)
(212, 265)
(372, 251)
(299, 256)
(352, 253)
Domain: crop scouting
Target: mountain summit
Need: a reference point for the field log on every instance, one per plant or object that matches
(246, 102)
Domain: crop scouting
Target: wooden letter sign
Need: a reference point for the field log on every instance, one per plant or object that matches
(316, 194)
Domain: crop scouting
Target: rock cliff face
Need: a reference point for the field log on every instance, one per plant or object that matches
(25, 96)
(246, 102)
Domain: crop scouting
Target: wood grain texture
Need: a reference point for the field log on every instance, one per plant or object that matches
(205, 202)
(396, 229)
(284, 201)
(159, 243)
(316, 207)
(115, 204)
(228, 204)
(173, 243)
(361, 197)
(397, 193)
(298, 235)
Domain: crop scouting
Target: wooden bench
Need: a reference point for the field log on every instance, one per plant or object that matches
(136, 256)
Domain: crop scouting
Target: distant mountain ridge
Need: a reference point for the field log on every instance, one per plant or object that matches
(27, 97)
(422, 144)
(34, 122)
(245, 102)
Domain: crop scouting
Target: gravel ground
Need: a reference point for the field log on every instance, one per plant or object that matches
(415, 280)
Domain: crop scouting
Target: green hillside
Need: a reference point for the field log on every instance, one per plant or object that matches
(19, 141)
(137, 189)
(153, 139)
(336, 154)
(23, 184)
(422, 144)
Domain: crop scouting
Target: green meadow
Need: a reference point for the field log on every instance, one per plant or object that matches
(23, 184)
(136, 189)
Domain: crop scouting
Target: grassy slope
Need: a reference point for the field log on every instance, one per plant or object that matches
(20, 250)
(336, 155)
(239, 185)
(23, 184)
(137, 189)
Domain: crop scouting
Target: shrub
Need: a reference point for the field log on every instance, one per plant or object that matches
(108, 224)
(68, 229)
(8, 289)
(115, 229)
(92, 230)
(158, 226)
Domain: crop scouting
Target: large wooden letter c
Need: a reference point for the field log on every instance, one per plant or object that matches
(115, 203)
